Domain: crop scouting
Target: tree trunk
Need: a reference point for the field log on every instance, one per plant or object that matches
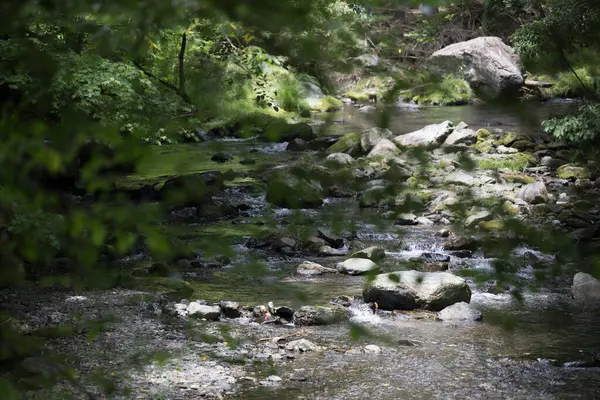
(182, 91)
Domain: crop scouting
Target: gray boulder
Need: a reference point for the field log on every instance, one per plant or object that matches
(484, 62)
(460, 312)
(408, 290)
(357, 266)
(311, 268)
(198, 310)
(586, 289)
(533, 193)
(373, 253)
(461, 136)
(476, 218)
(384, 148)
(313, 315)
(431, 135)
(340, 159)
(371, 137)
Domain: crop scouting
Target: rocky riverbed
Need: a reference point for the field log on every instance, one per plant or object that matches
(288, 303)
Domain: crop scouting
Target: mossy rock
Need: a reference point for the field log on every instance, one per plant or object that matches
(513, 162)
(494, 225)
(328, 104)
(483, 135)
(508, 138)
(516, 178)
(287, 190)
(510, 209)
(571, 171)
(484, 146)
(346, 144)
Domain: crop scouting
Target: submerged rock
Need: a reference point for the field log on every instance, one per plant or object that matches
(312, 315)
(431, 135)
(357, 266)
(586, 289)
(460, 312)
(311, 268)
(408, 290)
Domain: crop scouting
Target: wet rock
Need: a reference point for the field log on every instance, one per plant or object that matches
(372, 349)
(552, 163)
(191, 190)
(408, 290)
(385, 148)
(285, 245)
(357, 266)
(260, 311)
(328, 251)
(424, 221)
(461, 243)
(485, 62)
(431, 135)
(460, 312)
(230, 309)
(407, 219)
(444, 233)
(349, 144)
(311, 315)
(297, 144)
(301, 346)
(341, 159)
(476, 218)
(313, 243)
(462, 253)
(586, 289)
(287, 190)
(373, 253)
(571, 171)
(334, 240)
(533, 193)
(311, 268)
(221, 157)
(198, 310)
(285, 312)
(438, 257)
(461, 136)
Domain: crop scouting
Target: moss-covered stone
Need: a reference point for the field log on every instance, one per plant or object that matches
(517, 178)
(571, 171)
(513, 162)
(510, 209)
(345, 144)
(483, 135)
(508, 138)
(287, 190)
(483, 147)
(493, 225)
(328, 104)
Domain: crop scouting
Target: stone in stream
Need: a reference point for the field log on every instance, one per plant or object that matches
(373, 253)
(409, 290)
(230, 309)
(372, 349)
(328, 251)
(312, 315)
(572, 171)
(311, 268)
(334, 240)
(197, 310)
(287, 190)
(431, 135)
(502, 149)
(551, 162)
(438, 257)
(533, 193)
(407, 219)
(285, 312)
(221, 157)
(349, 144)
(460, 312)
(357, 266)
(586, 289)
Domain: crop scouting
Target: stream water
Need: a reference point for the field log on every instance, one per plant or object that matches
(516, 352)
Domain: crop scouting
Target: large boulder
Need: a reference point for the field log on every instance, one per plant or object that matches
(349, 144)
(534, 193)
(371, 137)
(199, 310)
(339, 159)
(586, 289)
(290, 191)
(357, 266)
(409, 290)
(373, 253)
(431, 135)
(462, 136)
(485, 62)
(571, 171)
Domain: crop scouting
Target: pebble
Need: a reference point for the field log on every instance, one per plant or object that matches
(373, 349)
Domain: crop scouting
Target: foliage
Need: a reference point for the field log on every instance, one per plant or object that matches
(581, 127)
(445, 91)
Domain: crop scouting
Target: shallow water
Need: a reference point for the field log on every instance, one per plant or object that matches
(515, 353)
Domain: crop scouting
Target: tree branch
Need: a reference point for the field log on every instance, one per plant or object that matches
(181, 58)
(165, 83)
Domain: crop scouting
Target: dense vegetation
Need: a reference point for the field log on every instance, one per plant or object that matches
(88, 89)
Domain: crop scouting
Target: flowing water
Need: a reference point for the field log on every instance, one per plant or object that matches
(516, 352)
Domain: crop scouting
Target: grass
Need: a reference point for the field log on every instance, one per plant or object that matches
(515, 178)
(514, 162)
(566, 84)
(448, 90)
(329, 104)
